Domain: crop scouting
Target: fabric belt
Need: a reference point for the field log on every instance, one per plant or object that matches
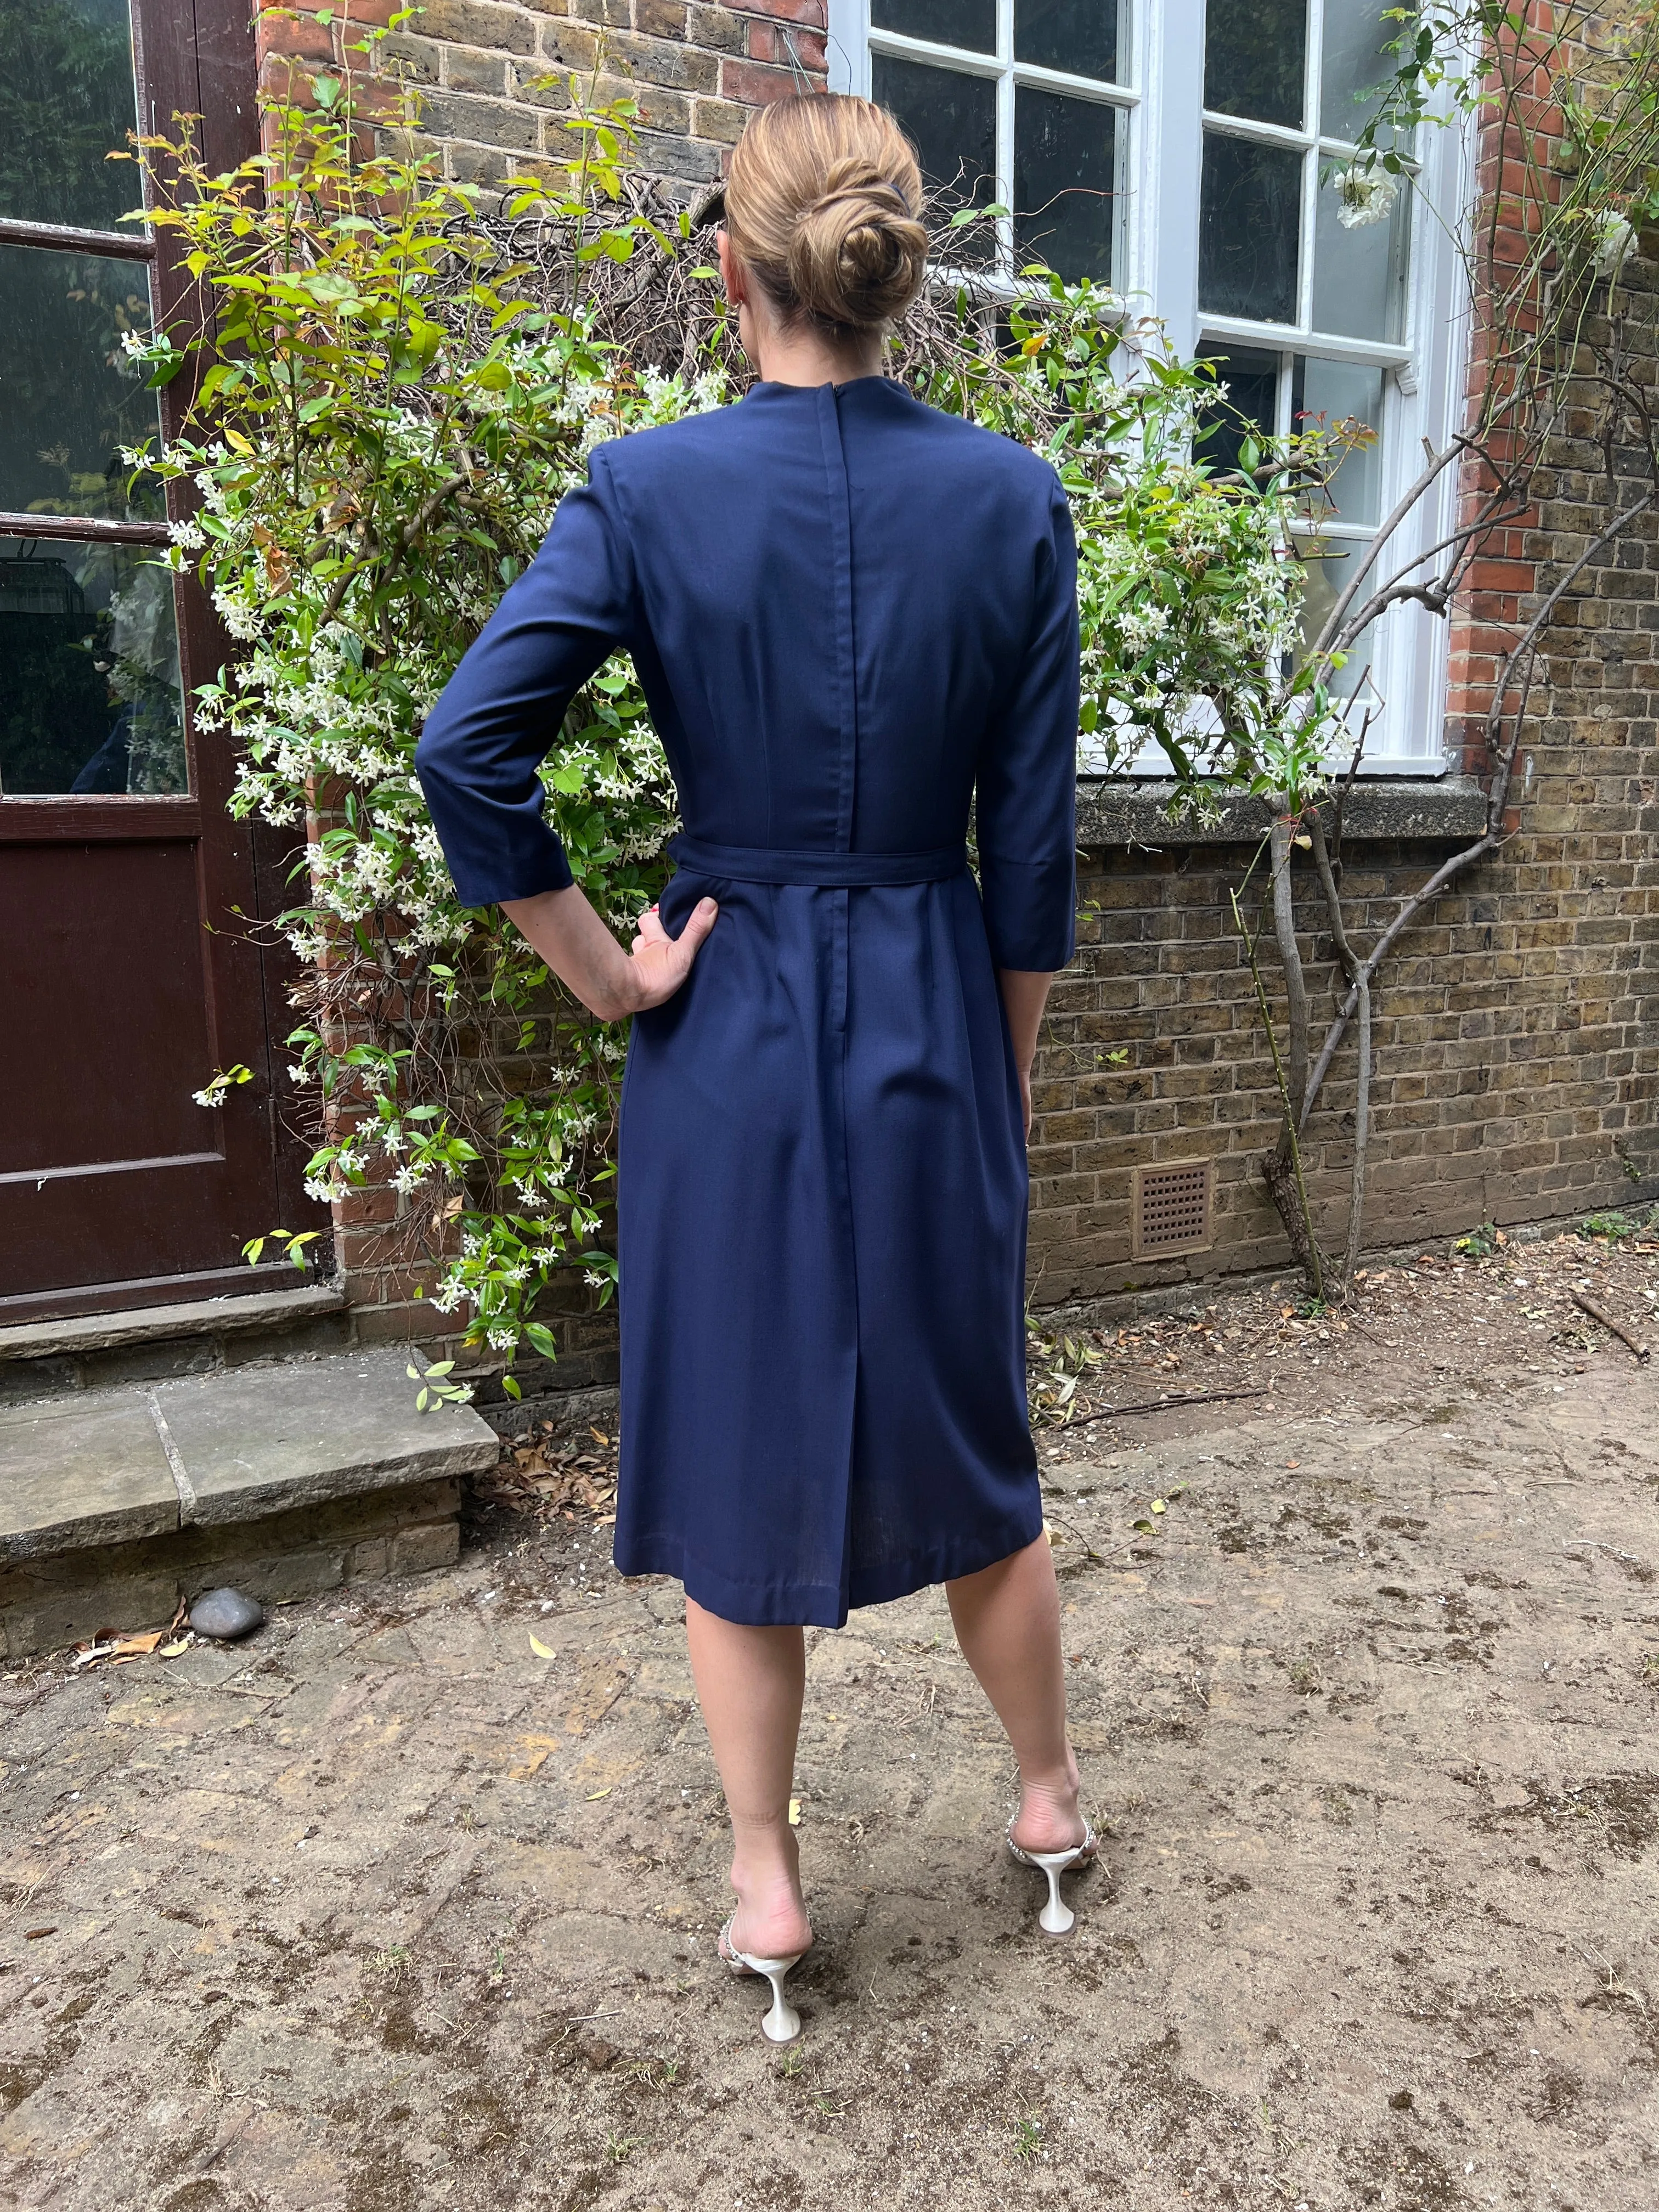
(764, 864)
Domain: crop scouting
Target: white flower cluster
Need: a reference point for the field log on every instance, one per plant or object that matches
(1364, 196)
(1614, 243)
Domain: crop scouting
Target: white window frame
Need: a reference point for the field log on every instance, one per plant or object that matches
(1160, 103)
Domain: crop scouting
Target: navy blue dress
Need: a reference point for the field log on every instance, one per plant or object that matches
(853, 618)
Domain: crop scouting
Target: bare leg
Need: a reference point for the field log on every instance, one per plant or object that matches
(750, 1683)
(1007, 1622)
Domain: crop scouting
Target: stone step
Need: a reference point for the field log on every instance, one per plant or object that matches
(284, 1478)
(91, 1351)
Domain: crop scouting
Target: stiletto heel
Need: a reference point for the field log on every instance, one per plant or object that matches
(1056, 1917)
(782, 2023)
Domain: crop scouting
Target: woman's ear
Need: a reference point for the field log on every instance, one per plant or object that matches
(731, 270)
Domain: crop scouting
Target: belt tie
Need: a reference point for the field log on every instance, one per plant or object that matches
(765, 864)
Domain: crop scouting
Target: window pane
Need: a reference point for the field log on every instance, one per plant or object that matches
(1255, 59)
(1249, 223)
(1078, 35)
(66, 100)
(1336, 391)
(952, 119)
(1354, 60)
(69, 399)
(970, 23)
(90, 690)
(1327, 565)
(1359, 274)
(1065, 182)
(1249, 404)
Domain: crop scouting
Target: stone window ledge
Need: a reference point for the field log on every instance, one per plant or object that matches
(1119, 812)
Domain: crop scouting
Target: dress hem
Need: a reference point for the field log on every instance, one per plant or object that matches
(752, 1605)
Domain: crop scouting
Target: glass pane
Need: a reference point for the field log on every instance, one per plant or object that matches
(89, 689)
(1255, 58)
(952, 120)
(1360, 270)
(1327, 565)
(1249, 226)
(1247, 382)
(69, 399)
(1080, 36)
(1354, 61)
(1065, 183)
(66, 100)
(970, 23)
(1329, 392)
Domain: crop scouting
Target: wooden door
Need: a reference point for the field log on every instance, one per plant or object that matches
(128, 975)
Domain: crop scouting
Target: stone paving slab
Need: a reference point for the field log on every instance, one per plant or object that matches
(262, 1439)
(74, 1475)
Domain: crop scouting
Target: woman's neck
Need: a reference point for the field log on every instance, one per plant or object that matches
(802, 356)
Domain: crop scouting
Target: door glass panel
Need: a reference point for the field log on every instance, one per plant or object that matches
(1080, 36)
(1065, 183)
(1337, 391)
(66, 100)
(1359, 274)
(69, 399)
(90, 685)
(1354, 61)
(1255, 59)
(1249, 223)
(952, 121)
(970, 23)
(1249, 407)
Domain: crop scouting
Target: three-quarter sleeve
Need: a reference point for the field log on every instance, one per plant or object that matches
(1026, 800)
(500, 711)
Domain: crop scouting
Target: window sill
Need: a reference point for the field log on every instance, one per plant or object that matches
(1114, 810)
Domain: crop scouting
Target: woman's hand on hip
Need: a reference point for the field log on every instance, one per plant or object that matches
(661, 963)
(587, 959)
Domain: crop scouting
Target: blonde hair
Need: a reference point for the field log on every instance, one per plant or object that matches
(822, 208)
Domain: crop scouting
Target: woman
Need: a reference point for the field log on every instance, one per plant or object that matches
(853, 616)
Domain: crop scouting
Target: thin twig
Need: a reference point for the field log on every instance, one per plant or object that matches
(1587, 1305)
(1166, 1405)
(1289, 1135)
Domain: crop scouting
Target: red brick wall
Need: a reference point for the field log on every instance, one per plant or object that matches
(492, 76)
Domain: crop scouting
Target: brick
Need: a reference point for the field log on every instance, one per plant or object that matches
(755, 82)
(468, 70)
(495, 123)
(479, 23)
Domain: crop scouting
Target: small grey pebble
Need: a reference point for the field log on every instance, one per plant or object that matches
(226, 1614)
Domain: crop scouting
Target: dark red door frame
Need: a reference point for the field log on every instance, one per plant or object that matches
(106, 1231)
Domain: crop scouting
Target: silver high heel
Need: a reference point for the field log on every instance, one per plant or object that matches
(782, 2023)
(1056, 1917)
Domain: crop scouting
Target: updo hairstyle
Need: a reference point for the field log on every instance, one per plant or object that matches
(822, 208)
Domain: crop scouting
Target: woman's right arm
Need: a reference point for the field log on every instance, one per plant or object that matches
(587, 959)
(481, 753)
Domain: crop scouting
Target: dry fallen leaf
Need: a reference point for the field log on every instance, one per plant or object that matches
(541, 1650)
(136, 1647)
(794, 1811)
(179, 1644)
(594, 1796)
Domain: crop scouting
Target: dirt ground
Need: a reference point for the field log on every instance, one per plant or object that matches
(389, 1910)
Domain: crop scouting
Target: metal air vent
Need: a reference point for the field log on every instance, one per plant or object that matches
(1170, 1207)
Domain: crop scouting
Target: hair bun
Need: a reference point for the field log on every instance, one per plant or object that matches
(858, 253)
(822, 203)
